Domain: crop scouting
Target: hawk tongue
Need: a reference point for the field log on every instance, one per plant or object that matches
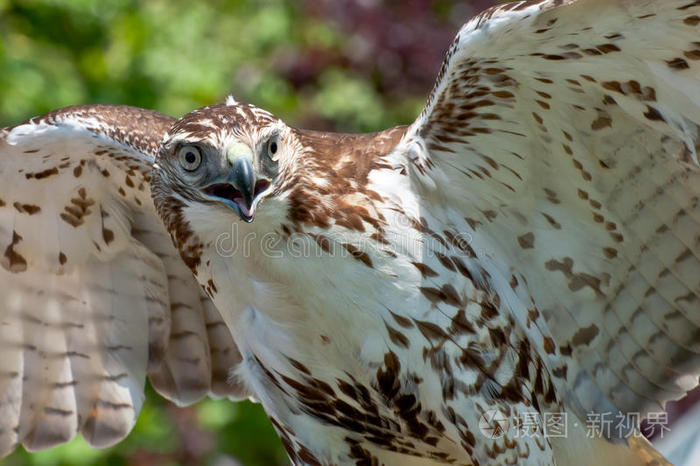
(246, 212)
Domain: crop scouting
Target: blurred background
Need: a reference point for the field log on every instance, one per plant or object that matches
(355, 65)
(346, 65)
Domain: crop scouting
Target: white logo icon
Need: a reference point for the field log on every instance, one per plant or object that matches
(493, 424)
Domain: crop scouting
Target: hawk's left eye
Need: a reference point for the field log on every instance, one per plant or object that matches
(272, 147)
(190, 157)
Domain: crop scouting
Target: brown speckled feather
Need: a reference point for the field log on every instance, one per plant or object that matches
(93, 295)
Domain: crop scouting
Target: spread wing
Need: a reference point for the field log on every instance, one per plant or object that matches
(93, 296)
(563, 137)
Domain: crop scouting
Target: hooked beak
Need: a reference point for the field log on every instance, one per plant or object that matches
(239, 188)
(243, 179)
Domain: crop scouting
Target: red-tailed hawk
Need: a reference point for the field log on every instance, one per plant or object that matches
(512, 279)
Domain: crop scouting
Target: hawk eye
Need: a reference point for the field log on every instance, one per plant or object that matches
(190, 157)
(272, 147)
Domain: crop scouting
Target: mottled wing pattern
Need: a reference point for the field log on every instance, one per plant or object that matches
(563, 137)
(93, 296)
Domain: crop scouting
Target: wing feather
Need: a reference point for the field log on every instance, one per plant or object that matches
(94, 297)
(567, 134)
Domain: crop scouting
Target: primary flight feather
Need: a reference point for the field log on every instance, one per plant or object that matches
(530, 244)
(94, 296)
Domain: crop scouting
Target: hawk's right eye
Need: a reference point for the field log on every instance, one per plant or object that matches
(190, 157)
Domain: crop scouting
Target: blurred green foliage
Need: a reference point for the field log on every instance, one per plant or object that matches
(325, 64)
(177, 55)
(212, 432)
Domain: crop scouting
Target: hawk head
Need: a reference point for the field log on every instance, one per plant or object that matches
(233, 156)
(236, 164)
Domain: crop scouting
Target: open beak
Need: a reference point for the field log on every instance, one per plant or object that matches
(239, 188)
